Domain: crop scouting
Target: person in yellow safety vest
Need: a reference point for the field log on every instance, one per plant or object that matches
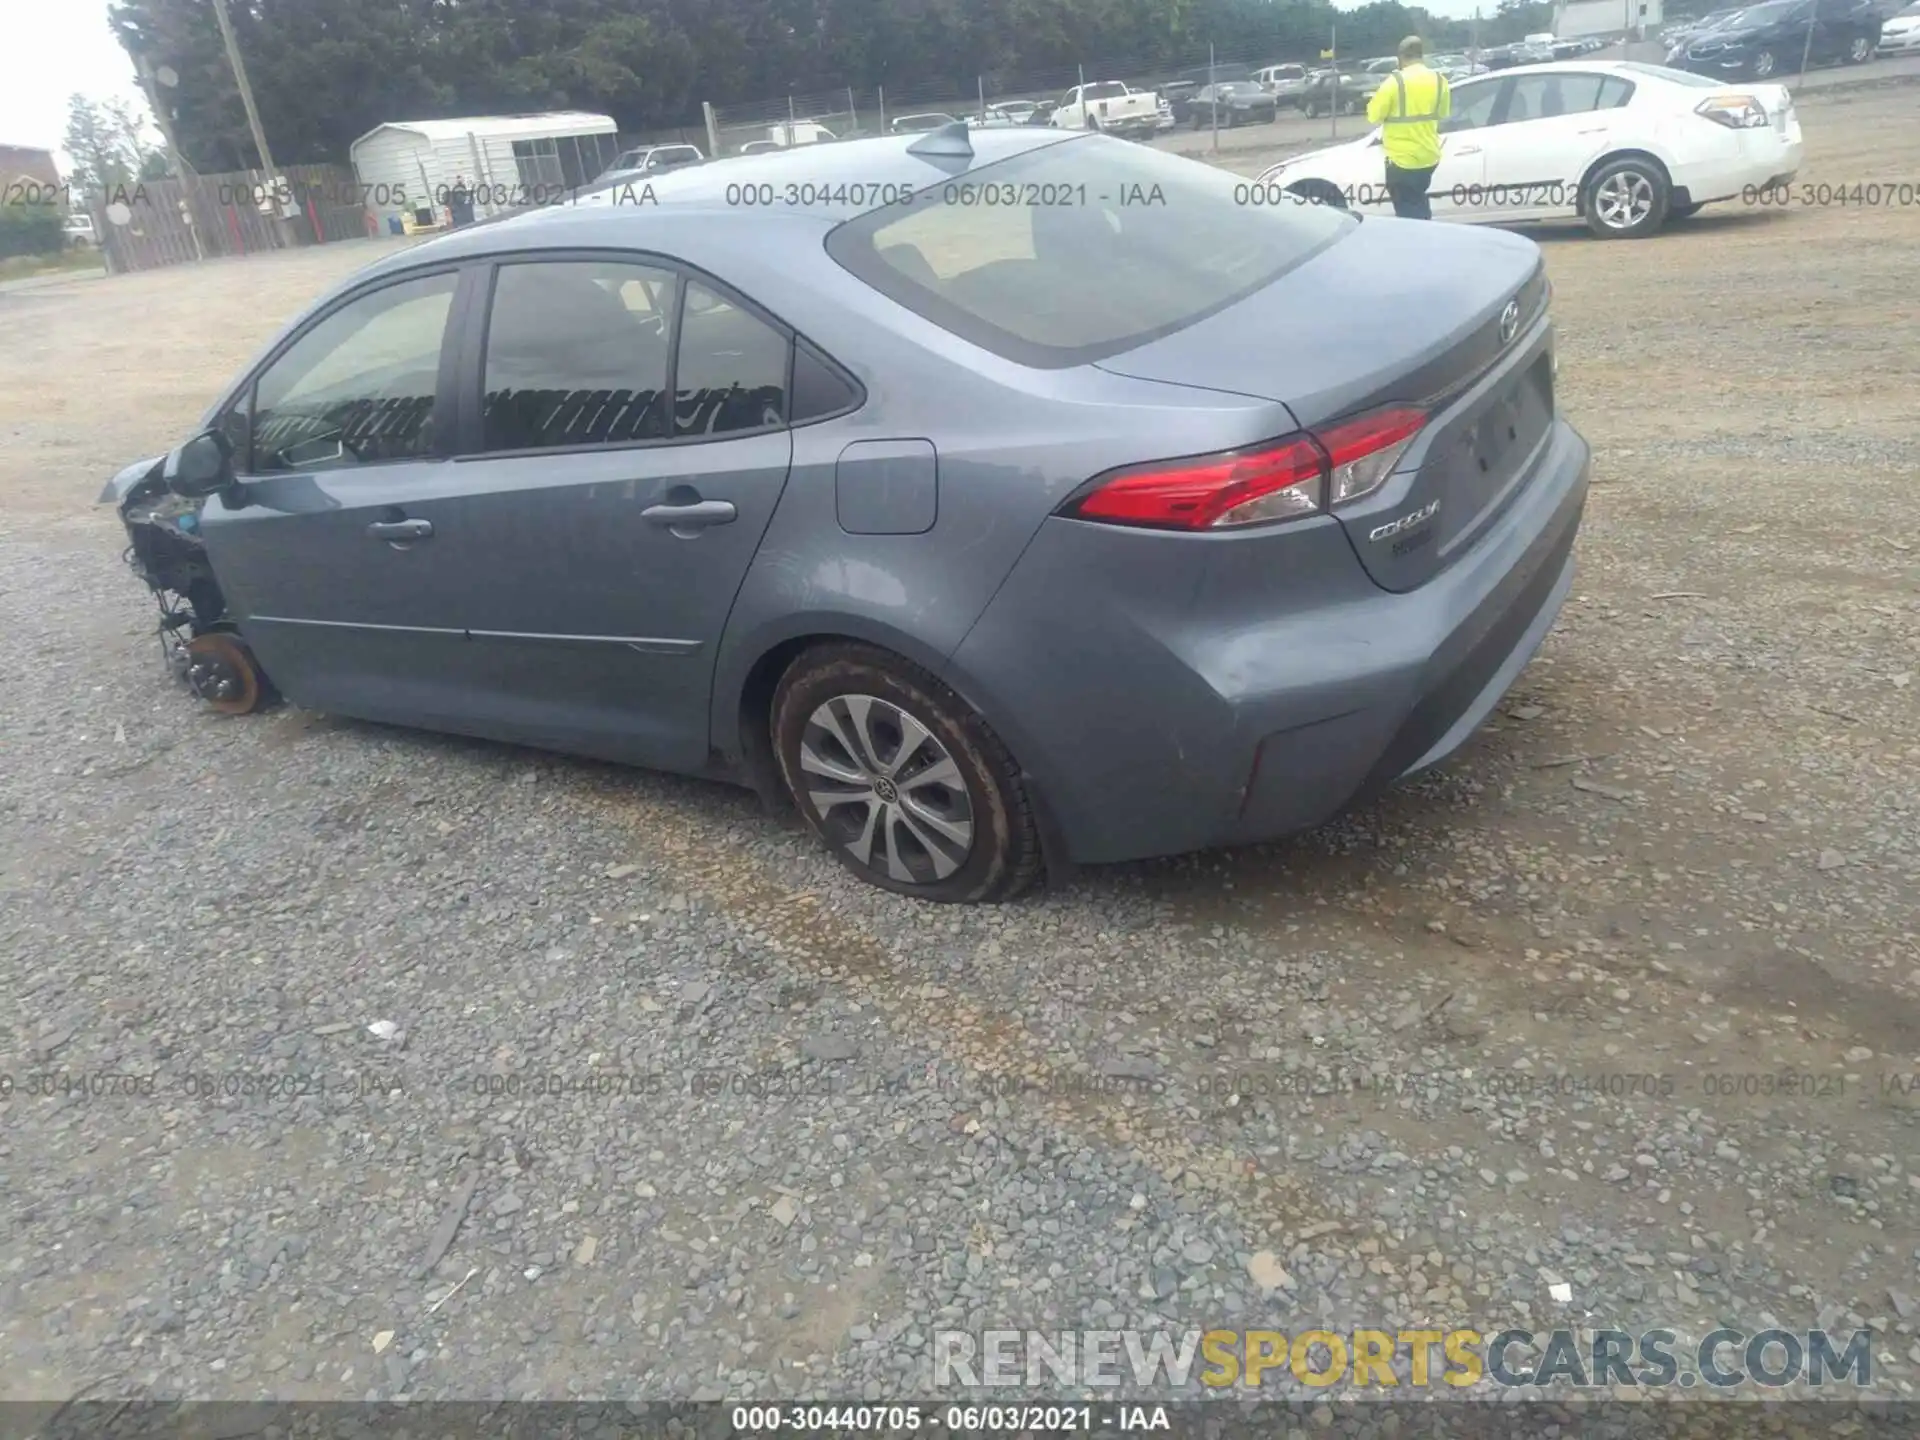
(1409, 106)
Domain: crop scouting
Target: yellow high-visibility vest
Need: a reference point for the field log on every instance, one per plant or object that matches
(1409, 106)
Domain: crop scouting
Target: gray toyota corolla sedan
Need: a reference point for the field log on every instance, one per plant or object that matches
(1003, 500)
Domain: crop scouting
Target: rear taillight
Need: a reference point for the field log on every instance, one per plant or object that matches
(1294, 477)
(1363, 451)
(1281, 481)
(1736, 112)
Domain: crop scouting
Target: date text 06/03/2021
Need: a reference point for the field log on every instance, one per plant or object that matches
(881, 1418)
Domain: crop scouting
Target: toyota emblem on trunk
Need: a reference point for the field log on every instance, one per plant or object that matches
(1509, 321)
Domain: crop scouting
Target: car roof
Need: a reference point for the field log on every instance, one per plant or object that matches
(1626, 70)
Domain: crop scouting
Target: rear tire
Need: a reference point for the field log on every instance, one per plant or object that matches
(901, 779)
(1764, 64)
(1627, 199)
(1859, 50)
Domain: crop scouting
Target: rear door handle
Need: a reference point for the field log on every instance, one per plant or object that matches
(401, 530)
(697, 515)
(1466, 150)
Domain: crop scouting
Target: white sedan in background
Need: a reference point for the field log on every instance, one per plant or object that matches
(1621, 145)
(1901, 34)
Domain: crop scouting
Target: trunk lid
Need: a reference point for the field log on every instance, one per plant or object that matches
(1396, 312)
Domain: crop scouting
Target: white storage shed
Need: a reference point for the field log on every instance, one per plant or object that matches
(1577, 19)
(506, 160)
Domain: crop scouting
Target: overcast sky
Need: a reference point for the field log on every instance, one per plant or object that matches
(68, 47)
(57, 47)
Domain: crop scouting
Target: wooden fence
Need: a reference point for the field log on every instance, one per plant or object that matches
(176, 222)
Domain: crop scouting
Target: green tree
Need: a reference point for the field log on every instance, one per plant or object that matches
(103, 141)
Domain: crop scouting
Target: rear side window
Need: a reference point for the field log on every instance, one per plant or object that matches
(732, 371)
(1080, 249)
(577, 354)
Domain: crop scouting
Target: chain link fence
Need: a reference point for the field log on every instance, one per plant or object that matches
(855, 112)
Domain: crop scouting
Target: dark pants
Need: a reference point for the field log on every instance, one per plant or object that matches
(1408, 189)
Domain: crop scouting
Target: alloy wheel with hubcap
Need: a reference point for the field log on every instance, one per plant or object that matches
(901, 779)
(1764, 64)
(1860, 50)
(886, 789)
(1627, 199)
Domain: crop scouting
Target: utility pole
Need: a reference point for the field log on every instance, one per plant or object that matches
(1333, 110)
(280, 225)
(162, 115)
(1213, 97)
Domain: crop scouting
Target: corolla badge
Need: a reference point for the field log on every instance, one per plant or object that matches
(1405, 522)
(1509, 322)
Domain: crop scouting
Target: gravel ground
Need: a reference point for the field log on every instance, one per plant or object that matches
(1417, 1067)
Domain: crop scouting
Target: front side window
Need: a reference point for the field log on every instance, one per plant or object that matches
(577, 354)
(731, 368)
(358, 388)
(1129, 244)
(1472, 106)
(1545, 97)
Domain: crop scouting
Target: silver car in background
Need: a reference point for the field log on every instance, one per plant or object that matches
(1134, 513)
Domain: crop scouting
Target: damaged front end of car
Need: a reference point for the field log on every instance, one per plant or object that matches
(159, 500)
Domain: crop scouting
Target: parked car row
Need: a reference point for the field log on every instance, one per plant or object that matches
(1773, 38)
(1234, 103)
(1901, 34)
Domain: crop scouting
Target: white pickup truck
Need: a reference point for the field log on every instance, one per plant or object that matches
(1110, 106)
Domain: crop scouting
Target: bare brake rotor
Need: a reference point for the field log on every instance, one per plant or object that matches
(222, 672)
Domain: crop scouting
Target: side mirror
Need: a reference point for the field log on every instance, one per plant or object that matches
(201, 467)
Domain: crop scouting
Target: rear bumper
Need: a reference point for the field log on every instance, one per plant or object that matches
(1744, 162)
(1159, 744)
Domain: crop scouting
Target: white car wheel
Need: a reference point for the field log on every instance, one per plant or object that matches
(1627, 199)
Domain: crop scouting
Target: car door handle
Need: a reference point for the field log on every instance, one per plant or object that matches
(694, 516)
(1465, 150)
(401, 529)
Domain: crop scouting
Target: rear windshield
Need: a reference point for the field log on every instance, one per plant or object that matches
(1081, 249)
